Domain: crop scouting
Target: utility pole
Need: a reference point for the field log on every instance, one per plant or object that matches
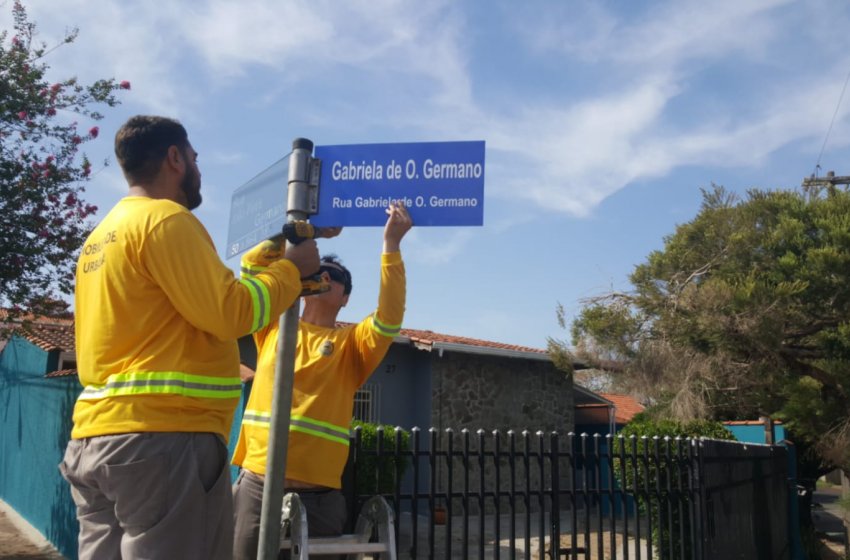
(302, 202)
(830, 180)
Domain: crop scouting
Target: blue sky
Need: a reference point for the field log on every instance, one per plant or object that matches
(602, 121)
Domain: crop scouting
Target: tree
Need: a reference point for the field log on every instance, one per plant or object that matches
(744, 312)
(43, 217)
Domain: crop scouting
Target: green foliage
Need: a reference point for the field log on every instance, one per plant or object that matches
(649, 433)
(744, 312)
(648, 424)
(377, 475)
(42, 171)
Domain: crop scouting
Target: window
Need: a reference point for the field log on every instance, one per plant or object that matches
(67, 360)
(367, 403)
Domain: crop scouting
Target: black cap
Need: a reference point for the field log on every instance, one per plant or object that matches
(303, 144)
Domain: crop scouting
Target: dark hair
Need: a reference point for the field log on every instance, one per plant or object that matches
(143, 142)
(332, 265)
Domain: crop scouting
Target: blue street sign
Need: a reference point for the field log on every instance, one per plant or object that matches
(258, 209)
(441, 183)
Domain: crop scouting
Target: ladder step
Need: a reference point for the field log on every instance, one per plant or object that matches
(344, 544)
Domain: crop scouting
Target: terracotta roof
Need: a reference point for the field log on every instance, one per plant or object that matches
(625, 407)
(428, 338)
(51, 334)
(62, 373)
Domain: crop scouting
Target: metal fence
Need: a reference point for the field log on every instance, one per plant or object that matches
(546, 495)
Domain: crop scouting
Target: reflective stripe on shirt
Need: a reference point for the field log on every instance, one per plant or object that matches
(303, 424)
(384, 329)
(260, 299)
(248, 269)
(165, 382)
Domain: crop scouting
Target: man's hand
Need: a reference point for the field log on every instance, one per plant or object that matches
(305, 256)
(328, 232)
(398, 224)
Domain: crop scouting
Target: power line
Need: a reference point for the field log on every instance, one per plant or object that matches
(829, 130)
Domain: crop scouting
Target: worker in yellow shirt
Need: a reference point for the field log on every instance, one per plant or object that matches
(331, 363)
(157, 319)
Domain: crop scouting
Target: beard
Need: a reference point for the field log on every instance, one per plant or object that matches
(191, 187)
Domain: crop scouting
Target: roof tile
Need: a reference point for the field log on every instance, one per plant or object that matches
(57, 335)
(61, 373)
(625, 407)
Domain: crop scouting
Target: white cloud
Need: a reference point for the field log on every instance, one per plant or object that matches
(406, 68)
(437, 248)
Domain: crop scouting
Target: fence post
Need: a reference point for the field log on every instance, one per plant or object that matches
(449, 490)
(414, 510)
(555, 517)
(497, 456)
(481, 489)
(698, 502)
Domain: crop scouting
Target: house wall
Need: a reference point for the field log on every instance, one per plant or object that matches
(474, 391)
(35, 426)
(754, 432)
(494, 393)
(404, 378)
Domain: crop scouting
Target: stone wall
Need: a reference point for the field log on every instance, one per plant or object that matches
(494, 393)
(481, 392)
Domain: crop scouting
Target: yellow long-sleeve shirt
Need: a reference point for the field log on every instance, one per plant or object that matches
(330, 365)
(157, 318)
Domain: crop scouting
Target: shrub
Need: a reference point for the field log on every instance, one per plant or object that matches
(645, 429)
(378, 474)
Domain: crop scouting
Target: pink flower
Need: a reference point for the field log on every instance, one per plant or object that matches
(50, 159)
(124, 84)
(16, 41)
(76, 139)
(51, 111)
(46, 173)
(43, 233)
(70, 200)
(22, 115)
(94, 131)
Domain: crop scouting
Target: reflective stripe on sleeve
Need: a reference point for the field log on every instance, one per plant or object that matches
(260, 299)
(256, 418)
(247, 269)
(303, 424)
(165, 382)
(384, 329)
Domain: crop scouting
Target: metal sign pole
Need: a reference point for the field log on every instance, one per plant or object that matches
(302, 202)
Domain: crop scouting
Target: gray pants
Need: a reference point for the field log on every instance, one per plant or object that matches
(326, 513)
(151, 495)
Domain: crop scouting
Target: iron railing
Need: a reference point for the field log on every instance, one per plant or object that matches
(524, 495)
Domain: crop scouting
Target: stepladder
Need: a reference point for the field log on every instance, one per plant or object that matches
(375, 516)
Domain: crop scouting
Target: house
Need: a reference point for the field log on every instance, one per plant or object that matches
(429, 379)
(605, 413)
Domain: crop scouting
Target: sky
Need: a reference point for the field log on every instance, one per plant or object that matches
(602, 122)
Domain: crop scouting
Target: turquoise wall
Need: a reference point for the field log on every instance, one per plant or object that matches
(35, 425)
(755, 433)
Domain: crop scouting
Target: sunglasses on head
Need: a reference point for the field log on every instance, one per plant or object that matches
(337, 275)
